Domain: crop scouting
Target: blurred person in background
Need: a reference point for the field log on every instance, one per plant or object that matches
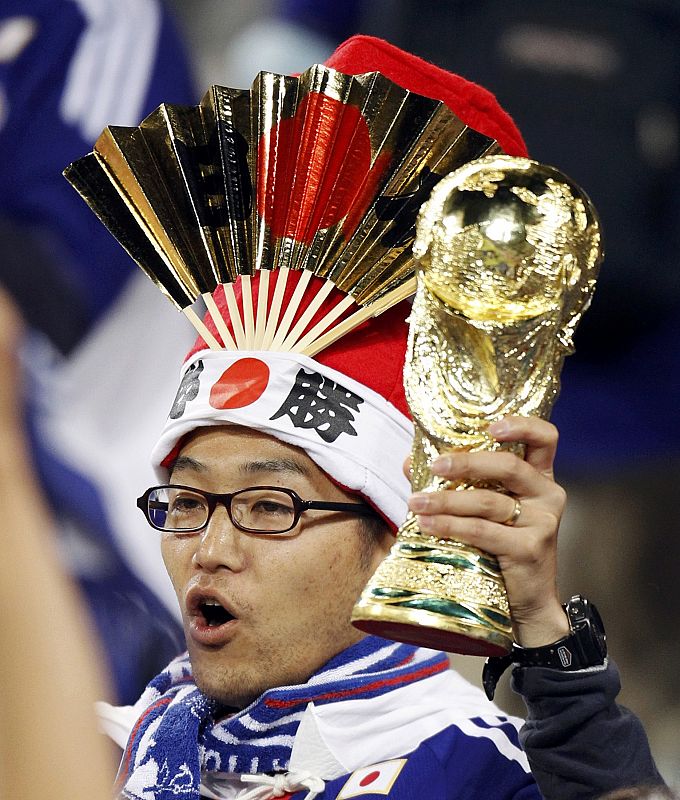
(49, 743)
(67, 69)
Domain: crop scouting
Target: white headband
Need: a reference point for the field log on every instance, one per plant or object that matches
(352, 433)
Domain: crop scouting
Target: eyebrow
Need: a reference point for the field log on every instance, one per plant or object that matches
(186, 462)
(273, 465)
(281, 465)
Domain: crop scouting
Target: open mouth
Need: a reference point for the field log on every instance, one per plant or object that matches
(214, 614)
(211, 621)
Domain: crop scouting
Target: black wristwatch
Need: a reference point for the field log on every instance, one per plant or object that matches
(585, 646)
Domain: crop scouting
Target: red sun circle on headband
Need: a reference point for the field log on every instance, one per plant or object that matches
(241, 384)
(313, 189)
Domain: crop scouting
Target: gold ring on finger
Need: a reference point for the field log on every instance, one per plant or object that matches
(516, 511)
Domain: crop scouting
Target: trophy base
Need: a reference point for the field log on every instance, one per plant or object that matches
(428, 629)
(437, 593)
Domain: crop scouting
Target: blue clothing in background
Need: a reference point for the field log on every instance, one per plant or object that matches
(68, 68)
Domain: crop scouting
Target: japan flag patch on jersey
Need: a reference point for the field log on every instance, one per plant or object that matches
(376, 779)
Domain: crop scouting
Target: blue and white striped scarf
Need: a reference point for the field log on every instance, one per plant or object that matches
(179, 734)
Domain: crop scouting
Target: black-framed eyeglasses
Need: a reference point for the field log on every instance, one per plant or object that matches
(256, 509)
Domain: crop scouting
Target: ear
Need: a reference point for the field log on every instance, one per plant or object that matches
(383, 542)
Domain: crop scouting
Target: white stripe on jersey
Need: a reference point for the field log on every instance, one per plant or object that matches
(110, 71)
(498, 737)
(264, 741)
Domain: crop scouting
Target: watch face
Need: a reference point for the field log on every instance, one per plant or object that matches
(588, 626)
(597, 630)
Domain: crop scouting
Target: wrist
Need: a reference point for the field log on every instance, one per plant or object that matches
(551, 625)
(582, 647)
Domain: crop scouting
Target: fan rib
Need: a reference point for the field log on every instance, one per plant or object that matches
(293, 306)
(201, 328)
(234, 316)
(262, 301)
(247, 304)
(309, 338)
(218, 319)
(307, 316)
(366, 312)
(275, 310)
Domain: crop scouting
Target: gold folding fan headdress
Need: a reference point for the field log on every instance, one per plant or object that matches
(290, 209)
(320, 175)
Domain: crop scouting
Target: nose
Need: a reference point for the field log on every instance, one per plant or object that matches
(220, 545)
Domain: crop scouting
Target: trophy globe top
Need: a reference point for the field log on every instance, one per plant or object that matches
(505, 239)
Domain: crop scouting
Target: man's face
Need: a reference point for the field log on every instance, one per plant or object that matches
(288, 598)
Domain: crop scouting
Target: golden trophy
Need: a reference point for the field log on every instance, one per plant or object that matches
(508, 253)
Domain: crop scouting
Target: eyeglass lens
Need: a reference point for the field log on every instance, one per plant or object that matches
(267, 510)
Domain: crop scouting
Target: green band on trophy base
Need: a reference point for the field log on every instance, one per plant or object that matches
(437, 593)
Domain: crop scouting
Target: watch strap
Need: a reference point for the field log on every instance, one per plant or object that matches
(584, 647)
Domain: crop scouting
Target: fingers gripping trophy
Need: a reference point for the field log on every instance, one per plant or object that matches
(508, 253)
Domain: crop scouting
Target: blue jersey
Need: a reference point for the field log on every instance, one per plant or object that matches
(69, 68)
(452, 765)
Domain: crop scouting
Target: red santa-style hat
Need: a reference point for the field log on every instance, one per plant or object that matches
(290, 210)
